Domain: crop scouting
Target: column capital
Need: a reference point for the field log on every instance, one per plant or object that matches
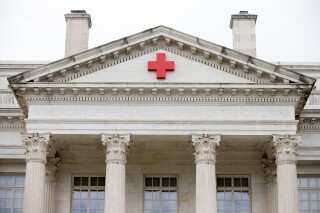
(52, 167)
(286, 148)
(205, 148)
(36, 146)
(116, 147)
(270, 170)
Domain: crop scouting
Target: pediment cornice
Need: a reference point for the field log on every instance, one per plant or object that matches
(167, 39)
(41, 93)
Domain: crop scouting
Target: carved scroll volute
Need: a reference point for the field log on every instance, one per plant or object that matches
(205, 148)
(36, 146)
(286, 148)
(116, 147)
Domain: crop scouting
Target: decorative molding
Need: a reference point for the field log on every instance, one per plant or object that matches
(36, 146)
(286, 148)
(12, 122)
(270, 170)
(309, 127)
(253, 70)
(116, 147)
(176, 51)
(52, 167)
(140, 40)
(8, 125)
(205, 148)
(155, 98)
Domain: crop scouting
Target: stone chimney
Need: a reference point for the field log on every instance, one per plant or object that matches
(243, 27)
(77, 35)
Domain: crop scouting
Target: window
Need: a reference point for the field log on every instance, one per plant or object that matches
(11, 193)
(233, 195)
(160, 194)
(88, 194)
(309, 194)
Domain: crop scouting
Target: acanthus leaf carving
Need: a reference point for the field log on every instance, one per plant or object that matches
(36, 146)
(270, 170)
(52, 167)
(116, 147)
(286, 148)
(205, 148)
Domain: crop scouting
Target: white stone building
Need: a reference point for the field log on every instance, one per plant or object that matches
(159, 122)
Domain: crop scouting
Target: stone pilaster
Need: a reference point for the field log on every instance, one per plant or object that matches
(116, 152)
(205, 159)
(286, 152)
(52, 167)
(36, 154)
(270, 175)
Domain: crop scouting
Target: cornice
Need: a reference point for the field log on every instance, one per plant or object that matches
(309, 120)
(261, 73)
(118, 57)
(12, 122)
(309, 123)
(152, 92)
(159, 36)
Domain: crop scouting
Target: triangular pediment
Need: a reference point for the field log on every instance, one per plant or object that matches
(197, 60)
(136, 71)
(116, 70)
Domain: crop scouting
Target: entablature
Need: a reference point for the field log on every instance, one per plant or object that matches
(309, 120)
(163, 92)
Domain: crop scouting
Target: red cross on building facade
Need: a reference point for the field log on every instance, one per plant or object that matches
(161, 66)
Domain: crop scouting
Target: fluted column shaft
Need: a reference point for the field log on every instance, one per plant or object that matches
(36, 154)
(270, 172)
(52, 167)
(116, 151)
(286, 151)
(205, 159)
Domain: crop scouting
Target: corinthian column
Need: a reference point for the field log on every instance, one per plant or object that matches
(270, 175)
(116, 151)
(52, 167)
(36, 154)
(286, 152)
(206, 188)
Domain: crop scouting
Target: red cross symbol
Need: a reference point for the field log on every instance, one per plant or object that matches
(161, 66)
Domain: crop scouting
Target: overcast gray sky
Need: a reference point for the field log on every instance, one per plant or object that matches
(287, 30)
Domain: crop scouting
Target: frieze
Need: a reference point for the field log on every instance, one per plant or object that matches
(165, 112)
